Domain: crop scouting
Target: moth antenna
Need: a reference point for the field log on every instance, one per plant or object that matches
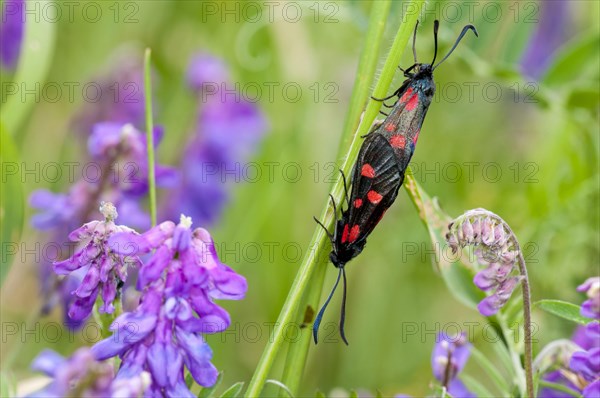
(462, 34)
(343, 314)
(322, 311)
(415, 42)
(436, 26)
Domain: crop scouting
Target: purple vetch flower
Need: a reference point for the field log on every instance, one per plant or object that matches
(547, 37)
(591, 307)
(205, 70)
(105, 270)
(120, 95)
(83, 376)
(575, 364)
(449, 356)
(11, 32)
(179, 284)
(118, 173)
(228, 132)
(496, 249)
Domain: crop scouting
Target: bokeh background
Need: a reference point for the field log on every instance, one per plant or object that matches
(513, 128)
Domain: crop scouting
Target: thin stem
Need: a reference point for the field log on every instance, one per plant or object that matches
(298, 351)
(320, 240)
(559, 387)
(527, 325)
(150, 135)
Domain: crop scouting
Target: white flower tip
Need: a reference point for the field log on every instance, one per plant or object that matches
(128, 129)
(185, 221)
(108, 210)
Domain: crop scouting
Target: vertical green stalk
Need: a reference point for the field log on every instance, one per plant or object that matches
(319, 240)
(150, 135)
(298, 351)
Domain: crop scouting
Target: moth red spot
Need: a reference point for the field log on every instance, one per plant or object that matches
(358, 203)
(345, 234)
(398, 141)
(412, 103)
(410, 99)
(390, 127)
(354, 233)
(367, 171)
(374, 197)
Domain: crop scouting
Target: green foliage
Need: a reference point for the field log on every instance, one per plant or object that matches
(11, 202)
(563, 309)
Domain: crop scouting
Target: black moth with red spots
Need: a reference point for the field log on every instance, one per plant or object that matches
(379, 169)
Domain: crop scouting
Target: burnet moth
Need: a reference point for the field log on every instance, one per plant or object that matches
(379, 169)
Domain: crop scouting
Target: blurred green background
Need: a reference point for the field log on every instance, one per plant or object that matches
(487, 118)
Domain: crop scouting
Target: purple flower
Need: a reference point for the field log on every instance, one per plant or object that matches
(120, 99)
(179, 284)
(548, 36)
(105, 270)
(204, 70)
(11, 32)
(449, 356)
(110, 145)
(229, 130)
(591, 307)
(496, 249)
(117, 173)
(81, 375)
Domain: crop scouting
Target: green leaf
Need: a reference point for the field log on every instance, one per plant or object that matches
(490, 369)
(319, 394)
(475, 386)
(280, 385)
(457, 275)
(210, 391)
(34, 62)
(233, 391)
(577, 60)
(11, 202)
(353, 394)
(7, 385)
(568, 311)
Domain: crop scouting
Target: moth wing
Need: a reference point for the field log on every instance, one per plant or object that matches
(376, 180)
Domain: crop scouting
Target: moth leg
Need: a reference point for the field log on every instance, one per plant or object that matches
(374, 127)
(383, 99)
(333, 203)
(345, 188)
(329, 234)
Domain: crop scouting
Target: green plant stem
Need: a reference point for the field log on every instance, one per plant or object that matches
(298, 351)
(319, 241)
(150, 135)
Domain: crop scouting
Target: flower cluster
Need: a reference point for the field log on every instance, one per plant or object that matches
(228, 131)
(122, 99)
(110, 144)
(179, 282)
(591, 307)
(575, 364)
(82, 375)
(586, 363)
(449, 357)
(119, 176)
(496, 248)
(104, 270)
